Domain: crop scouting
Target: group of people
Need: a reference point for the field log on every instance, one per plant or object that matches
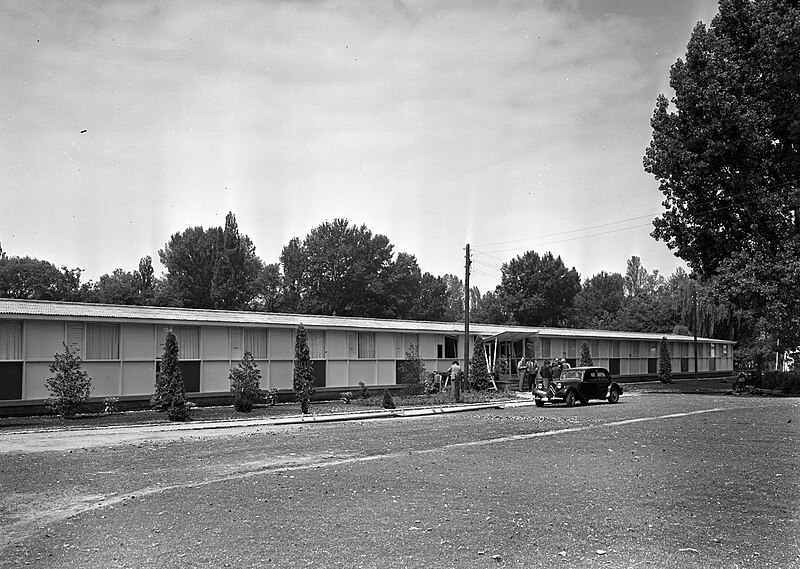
(528, 371)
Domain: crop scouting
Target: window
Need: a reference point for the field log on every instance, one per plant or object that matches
(450, 347)
(713, 350)
(724, 350)
(571, 348)
(615, 348)
(102, 341)
(316, 345)
(634, 349)
(10, 340)
(255, 342)
(366, 345)
(545, 347)
(188, 341)
(403, 342)
(653, 349)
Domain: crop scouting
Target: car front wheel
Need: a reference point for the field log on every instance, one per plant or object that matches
(570, 399)
(539, 403)
(613, 397)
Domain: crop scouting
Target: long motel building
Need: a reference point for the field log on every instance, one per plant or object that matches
(121, 346)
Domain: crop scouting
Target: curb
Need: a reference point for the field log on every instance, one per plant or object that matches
(410, 412)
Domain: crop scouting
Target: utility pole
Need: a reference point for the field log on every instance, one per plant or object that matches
(466, 316)
(694, 328)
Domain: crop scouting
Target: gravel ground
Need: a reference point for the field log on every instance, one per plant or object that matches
(660, 480)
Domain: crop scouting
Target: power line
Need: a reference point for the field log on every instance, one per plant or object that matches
(652, 216)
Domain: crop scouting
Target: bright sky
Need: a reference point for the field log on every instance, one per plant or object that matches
(509, 125)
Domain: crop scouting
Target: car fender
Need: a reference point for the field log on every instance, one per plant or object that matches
(613, 386)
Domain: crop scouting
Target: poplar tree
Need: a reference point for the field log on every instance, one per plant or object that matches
(303, 373)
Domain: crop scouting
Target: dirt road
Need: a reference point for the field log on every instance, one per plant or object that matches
(655, 481)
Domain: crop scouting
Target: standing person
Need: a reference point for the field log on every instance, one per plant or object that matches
(454, 371)
(532, 370)
(556, 369)
(565, 364)
(522, 370)
(547, 374)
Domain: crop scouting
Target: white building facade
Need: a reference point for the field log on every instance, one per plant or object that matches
(121, 347)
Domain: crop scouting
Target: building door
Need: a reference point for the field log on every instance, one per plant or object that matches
(319, 372)
(652, 365)
(613, 366)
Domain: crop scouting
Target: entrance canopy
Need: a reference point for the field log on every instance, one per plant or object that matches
(510, 336)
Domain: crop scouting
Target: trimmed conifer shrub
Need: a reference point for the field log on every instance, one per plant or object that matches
(303, 373)
(245, 384)
(170, 391)
(586, 356)
(70, 385)
(479, 377)
(664, 362)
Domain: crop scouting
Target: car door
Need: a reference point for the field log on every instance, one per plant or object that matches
(603, 382)
(588, 386)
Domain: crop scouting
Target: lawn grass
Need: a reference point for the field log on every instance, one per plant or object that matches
(228, 413)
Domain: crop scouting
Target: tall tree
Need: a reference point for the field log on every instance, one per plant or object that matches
(599, 301)
(340, 269)
(210, 268)
(487, 308)
(432, 301)
(538, 291)
(236, 269)
(728, 157)
(28, 278)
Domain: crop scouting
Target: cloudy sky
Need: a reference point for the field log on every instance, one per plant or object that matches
(509, 125)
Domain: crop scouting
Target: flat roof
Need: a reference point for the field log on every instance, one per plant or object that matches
(45, 309)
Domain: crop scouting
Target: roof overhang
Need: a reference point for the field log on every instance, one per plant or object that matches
(510, 336)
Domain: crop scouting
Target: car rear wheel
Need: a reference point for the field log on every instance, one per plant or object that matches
(613, 397)
(570, 399)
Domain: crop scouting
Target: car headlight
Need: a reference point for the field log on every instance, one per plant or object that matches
(558, 385)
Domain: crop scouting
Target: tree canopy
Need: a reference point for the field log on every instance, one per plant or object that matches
(727, 157)
(538, 290)
(345, 270)
(210, 268)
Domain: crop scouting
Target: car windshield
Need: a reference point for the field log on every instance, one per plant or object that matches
(571, 374)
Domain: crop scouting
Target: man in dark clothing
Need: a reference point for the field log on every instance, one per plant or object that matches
(546, 374)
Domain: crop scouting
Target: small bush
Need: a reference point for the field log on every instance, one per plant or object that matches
(412, 371)
(364, 390)
(110, 405)
(346, 397)
(245, 384)
(70, 385)
(270, 396)
(388, 402)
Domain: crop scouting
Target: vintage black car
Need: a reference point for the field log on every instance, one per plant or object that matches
(578, 384)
